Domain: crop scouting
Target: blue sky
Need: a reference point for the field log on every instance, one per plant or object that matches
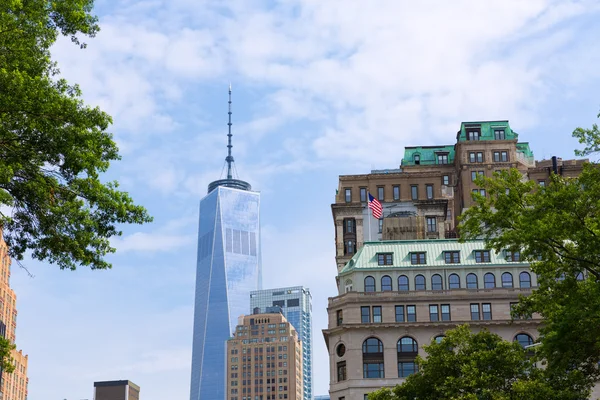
(321, 88)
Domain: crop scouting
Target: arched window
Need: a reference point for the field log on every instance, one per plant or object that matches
(439, 338)
(403, 283)
(524, 280)
(417, 159)
(348, 285)
(453, 281)
(524, 339)
(386, 284)
(407, 353)
(436, 282)
(369, 284)
(507, 281)
(472, 281)
(419, 282)
(489, 281)
(373, 358)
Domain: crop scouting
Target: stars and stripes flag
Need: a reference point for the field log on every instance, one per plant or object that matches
(375, 207)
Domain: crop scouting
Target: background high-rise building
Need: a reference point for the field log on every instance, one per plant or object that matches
(296, 305)
(12, 386)
(322, 397)
(228, 269)
(116, 390)
(264, 359)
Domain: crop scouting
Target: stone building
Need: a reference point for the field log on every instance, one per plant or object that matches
(264, 359)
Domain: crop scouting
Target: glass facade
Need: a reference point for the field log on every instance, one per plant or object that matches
(228, 269)
(296, 305)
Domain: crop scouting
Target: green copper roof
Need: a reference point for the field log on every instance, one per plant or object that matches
(427, 154)
(487, 130)
(366, 257)
(524, 148)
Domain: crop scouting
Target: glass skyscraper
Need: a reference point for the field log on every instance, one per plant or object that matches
(228, 269)
(296, 305)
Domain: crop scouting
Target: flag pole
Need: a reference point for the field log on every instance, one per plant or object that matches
(369, 215)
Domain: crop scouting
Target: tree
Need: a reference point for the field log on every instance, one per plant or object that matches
(557, 229)
(53, 148)
(473, 366)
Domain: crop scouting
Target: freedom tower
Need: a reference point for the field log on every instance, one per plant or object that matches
(228, 269)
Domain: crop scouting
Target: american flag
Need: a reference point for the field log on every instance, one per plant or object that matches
(375, 206)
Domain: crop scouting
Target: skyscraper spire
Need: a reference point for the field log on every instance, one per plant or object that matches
(229, 157)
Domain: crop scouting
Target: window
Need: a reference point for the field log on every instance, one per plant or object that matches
(445, 308)
(349, 225)
(500, 156)
(429, 190)
(442, 158)
(349, 247)
(417, 258)
(438, 339)
(472, 281)
(373, 358)
(419, 282)
(380, 226)
(513, 256)
(446, 180)
(380, 193)
(436, 282)
(369, 284)
(524, 340)
(341, 371)
(542, 183)
(399, 313)
(433, 313)
(474, 312)
(348, 195)
(499, 134)
(524, 280)
(476, 157)
(452, 257)
(454, 281)
(482, 256)
(293, 303)
(365, 315)
(489, 281)
(348, 285)
(377, 314)
(474, 134)
(414, 192)
(396, 192)
(411, 313)
(363, 195)
(487, 311)
(478, 191)
(385, 259)
(386, 284)
(340, 317)
(431, 224)
(407, 348)
(417, 159)
(403, 283)
(475, 174)
(507, 280)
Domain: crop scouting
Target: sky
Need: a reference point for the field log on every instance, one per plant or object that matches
(320, 89)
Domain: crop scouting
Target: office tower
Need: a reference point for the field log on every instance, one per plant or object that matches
(12, 386)
(264, 359)
(228, 269)
(116, 390)
(296, 305)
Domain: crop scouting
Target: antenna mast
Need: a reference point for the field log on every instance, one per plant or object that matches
(229, 157)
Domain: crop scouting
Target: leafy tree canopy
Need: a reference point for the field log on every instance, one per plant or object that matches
(53, 148)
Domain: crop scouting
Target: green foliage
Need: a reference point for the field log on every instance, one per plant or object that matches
(53, 147)
(6, 360)
(589, 137)
(473, 366)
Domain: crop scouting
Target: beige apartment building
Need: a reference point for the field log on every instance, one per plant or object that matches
(422, 198)
(12, 386)
(264, 359)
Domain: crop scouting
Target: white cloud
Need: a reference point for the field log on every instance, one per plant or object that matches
(151, 242)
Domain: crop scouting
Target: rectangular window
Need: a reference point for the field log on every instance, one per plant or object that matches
(475, 174)
(500, 156)
(446, 180)
(411, 313)
(385, 259)
(542, 183)
(348, 195)
(414, 192)
(486, 309)
(476, 157)
(474, 312)
(479, 157)
(399, 313)
(380, 193)
(434, 313)
(417, 258)
(396, 190)
(349, 225)
(513, 256)
(349, 247)
(293, 303)
(431, 224)
(373, 370)
(377, 314)
(341, 371)
(365, 315)
(473, 135)
(452, 257)
(442, 158)
(445, 308)
(363, 195)
(429, 191)
(482, 256)
(340, 317)
(499, 134)
(380, 226)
